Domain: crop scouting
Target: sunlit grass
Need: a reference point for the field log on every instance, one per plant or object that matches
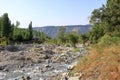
(100, 65)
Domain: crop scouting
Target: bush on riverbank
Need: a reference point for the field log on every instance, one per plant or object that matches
(3, 41)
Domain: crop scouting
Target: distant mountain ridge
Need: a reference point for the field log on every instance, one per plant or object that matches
(53, 30)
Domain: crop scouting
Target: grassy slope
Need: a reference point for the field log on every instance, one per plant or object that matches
(100, 65)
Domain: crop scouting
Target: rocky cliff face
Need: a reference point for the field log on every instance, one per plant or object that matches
(53, 30)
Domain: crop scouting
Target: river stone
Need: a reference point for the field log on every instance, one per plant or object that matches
(41, 79)
(74, 78)
(1, 48)
(2, 75)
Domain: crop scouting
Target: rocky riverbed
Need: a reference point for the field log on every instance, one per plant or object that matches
(38, 62)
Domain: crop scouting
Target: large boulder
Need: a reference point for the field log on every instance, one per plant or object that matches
(1, 48)
(13, 48)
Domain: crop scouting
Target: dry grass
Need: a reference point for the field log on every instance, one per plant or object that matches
(100, 65)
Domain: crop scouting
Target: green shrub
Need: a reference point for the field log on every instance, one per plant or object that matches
(3, 41)
(108, 40)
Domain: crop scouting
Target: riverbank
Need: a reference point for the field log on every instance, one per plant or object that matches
(101, 64)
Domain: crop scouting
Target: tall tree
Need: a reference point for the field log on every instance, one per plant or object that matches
(61, 33)
(0, 28)
(5, 25)
(30, 31)
(12, 31)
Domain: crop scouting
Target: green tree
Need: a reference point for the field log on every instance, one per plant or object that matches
(72, 38)
(0, 28)
(84, 38)
(96, 33)
(61, 33)
(106, 20)
(113, 15)
(15, 31)
(98, 19)
(12, 30)
(30, 31)
(5, 25)
(98, 15)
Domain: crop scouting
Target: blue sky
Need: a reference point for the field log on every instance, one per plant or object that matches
(49, 12)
